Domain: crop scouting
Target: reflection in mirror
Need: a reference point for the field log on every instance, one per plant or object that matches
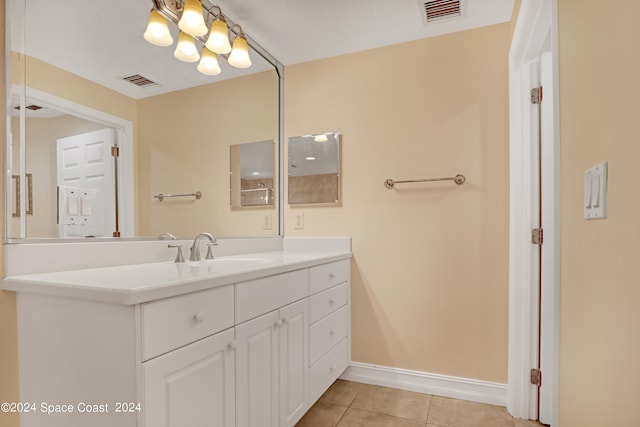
(179, 125)
(252, 175)
(314, 169)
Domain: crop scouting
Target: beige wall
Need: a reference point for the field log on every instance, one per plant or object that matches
(430, 276)
(600, 282)
(183, 150)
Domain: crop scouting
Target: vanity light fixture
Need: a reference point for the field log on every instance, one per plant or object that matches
(209, 63)
(218, 40)
(192, 21)
(239, 56)
(194, 25)
(186, 50)
(157, 32)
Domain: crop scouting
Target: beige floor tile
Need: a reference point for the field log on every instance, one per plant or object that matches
(360, 418)
(394, 402)
(460, 413)
(322, 415)
(341, 392)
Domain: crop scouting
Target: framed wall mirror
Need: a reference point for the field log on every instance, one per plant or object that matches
(252, 175)
(314, 169)
(95, 108)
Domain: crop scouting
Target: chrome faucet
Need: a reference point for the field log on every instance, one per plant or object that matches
(195, 248)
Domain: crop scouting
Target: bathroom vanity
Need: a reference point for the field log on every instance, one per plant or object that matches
(243, 340)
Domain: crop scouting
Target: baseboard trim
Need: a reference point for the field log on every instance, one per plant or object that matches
(423, 382)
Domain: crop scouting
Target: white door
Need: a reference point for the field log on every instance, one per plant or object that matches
(257, 372)
(294, 361)
(192, 386)
(86, 185)
(549, 278)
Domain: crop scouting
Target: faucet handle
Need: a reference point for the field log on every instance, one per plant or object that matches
(179, 256)
(210, 250)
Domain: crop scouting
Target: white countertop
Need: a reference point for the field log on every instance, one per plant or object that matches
(138, 283)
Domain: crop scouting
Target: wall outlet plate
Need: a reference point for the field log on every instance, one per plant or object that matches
(298, 221)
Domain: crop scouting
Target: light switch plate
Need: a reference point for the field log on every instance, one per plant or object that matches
(595, 192)
(266, 221)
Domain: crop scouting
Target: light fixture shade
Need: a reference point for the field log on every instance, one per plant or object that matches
(239, 56)
(209, 63)
(218, 40)
(192, 21)
(186, 50)
(157, 32)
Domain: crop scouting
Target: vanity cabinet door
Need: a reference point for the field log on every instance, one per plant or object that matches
(272, 360)
(294, 359)
(193, 385)
(257, 374)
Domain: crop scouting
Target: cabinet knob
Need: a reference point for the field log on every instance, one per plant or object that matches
(332, 368)
(331, 302)
(199, 317)
(284, 321)
(332, 332)
(278, 323)
(332, 276)
(233, 345)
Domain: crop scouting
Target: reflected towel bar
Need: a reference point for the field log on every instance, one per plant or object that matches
(197, 195)
(458, 179)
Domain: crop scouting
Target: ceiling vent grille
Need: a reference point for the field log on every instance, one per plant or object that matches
(139, 80)
(437, 10)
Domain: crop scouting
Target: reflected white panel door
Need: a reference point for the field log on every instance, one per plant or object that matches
(294, 362)
(257, 374)
(85, 162)
(192, 386)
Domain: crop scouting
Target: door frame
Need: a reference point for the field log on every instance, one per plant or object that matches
(124, 140)
(536, 31)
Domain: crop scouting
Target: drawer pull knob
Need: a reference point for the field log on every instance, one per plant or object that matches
(331, 302)
(283, 321)
(332, 332)
(199, 317)
(278, 323)
(332, 276)
(233, 345)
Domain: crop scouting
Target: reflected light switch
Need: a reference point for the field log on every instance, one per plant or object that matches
(595, 192)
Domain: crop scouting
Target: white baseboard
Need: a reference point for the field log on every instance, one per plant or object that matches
(423, 382)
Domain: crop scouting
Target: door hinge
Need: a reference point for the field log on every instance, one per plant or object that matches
(536, 95)
(115, 151)
(536, 377)
(537, 236)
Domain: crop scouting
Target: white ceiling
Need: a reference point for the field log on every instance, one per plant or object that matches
(102, 40)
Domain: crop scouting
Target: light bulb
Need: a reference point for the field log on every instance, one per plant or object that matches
(157, 32)
(186, 50)
(192, 21)
(218, 40)
(239, 56)
(209, 63)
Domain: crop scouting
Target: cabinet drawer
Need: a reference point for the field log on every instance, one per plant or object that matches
(327, 332)
(327, 302)
(325, 276)
(173, 322)
(259, 296)
(327, 370)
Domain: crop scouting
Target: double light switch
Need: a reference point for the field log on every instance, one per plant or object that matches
(595, 192)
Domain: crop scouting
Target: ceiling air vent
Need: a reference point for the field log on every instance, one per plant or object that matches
(437, 10)
(139, 80)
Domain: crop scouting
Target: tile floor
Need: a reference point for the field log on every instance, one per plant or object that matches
(350, 404)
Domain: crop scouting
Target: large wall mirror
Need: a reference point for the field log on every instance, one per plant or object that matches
(105, 128)
(314, 169)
